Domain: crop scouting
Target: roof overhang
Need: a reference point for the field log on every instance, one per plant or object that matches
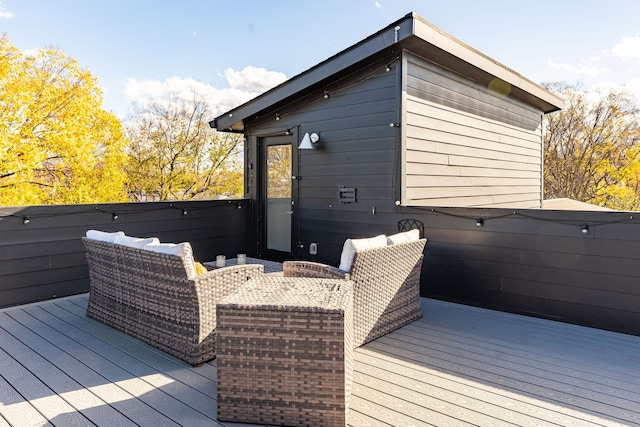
(410, 33)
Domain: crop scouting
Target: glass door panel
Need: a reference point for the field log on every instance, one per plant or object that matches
(279, 209)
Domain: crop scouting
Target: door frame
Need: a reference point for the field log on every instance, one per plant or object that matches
(260, 210)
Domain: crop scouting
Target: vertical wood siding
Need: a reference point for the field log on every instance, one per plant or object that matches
(466, 147)
(46, 259)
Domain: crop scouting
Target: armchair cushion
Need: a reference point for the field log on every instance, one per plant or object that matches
(104, 236)
(352, 245)
(406, 236)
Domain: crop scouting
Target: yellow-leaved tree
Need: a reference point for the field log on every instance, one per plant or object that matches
(592, 149)
(57, 144)
(175, 155)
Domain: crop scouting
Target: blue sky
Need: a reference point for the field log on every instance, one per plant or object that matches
(232, 50)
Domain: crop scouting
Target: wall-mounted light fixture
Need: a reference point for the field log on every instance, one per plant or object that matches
(585, 229)
(309, 141)
(479, 222)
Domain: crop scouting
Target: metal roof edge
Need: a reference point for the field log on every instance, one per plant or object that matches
(325, 69)
(399, 33)
(439, 38)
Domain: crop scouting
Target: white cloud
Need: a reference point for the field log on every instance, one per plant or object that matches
(32, 52)
(253, 79)
(245, 84)
(633, 87)
(378, 4)
(146, 91)
(628, 48)
(608, 86)
(4, 13)
(589, 71)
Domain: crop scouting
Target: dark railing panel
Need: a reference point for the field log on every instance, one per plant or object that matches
(535, 262)
(538, 263)
(42, 256)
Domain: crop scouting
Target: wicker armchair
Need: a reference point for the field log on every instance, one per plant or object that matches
(150, 296)
(386, 286)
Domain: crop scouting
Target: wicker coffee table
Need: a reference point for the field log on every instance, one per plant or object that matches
(269, 266)
(285, 353)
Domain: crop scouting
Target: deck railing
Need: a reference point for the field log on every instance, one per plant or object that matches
(538, 262)
(574, 266)
(531, 261)
(42, 256)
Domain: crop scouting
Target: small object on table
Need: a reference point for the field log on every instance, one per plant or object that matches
(242, 259)
(220, 261)
(285, 353)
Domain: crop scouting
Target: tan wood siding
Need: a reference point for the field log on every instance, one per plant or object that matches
(465, 147)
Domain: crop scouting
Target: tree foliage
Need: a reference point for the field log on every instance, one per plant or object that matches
(57, 144)
(175, 155)
(279, 171)
(591, 149)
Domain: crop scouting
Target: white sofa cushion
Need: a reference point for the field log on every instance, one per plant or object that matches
(183, 250)
(103, 235)
(178, 249)
(352, 245)
(404, 237)
(136, 242)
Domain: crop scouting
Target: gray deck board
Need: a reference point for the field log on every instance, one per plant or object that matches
(146, 379)
(91, 370)
(457, 366)
(34, 354)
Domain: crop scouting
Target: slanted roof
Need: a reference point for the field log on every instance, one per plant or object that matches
(412, 33)
(566, 204)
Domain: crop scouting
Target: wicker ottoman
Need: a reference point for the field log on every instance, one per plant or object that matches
(285, 352)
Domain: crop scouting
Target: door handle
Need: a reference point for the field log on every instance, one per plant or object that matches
(289, 212)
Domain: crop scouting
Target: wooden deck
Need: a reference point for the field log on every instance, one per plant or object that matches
(457, 366)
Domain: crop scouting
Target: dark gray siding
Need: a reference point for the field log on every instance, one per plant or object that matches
(465, 146)
(46, 259)
(357, 147)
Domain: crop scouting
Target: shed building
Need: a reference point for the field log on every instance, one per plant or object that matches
(409, 116)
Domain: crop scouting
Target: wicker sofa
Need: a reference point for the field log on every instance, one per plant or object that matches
(386, 286)
(158, 298)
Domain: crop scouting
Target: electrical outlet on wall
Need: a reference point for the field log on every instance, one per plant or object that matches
(313, 249)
